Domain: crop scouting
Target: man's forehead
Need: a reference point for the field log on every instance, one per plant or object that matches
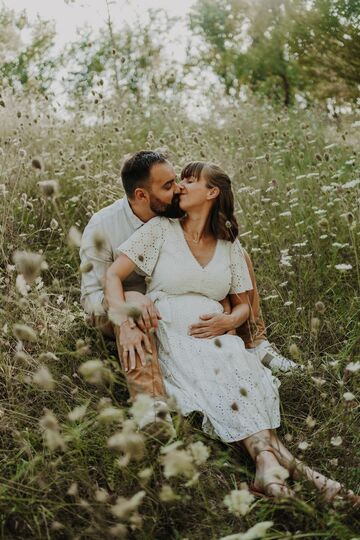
(161, 172)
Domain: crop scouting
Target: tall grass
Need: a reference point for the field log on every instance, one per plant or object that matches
(295, 177)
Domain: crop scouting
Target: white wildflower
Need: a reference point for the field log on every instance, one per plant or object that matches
(303, 445)
(336, 441)
(254, 533)
(200, 452)
(178, 463)
(343, 267)
(238, 501)
(348, 396)
(353, 366)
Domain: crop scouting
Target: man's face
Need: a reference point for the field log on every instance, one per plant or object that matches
(164, 191)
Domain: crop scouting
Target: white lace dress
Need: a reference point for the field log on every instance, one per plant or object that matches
(236, 394)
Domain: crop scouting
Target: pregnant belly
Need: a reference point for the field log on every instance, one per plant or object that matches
(178, 312)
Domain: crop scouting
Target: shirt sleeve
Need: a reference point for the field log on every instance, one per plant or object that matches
(92, 281)
(143, 247)
(240, 276)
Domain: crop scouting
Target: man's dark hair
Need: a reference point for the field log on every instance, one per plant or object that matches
(135, 171)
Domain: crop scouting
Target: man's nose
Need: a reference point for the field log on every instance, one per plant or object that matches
(177, 189)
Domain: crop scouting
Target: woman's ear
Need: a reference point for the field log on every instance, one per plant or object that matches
(213, 193)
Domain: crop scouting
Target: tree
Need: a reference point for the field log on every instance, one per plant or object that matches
(326, 40)
(246, 43)
(129, 61)
(282, 47)
(26, 67)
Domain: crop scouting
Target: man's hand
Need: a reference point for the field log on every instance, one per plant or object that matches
(132, 340)
(211, 325)
(150, 314)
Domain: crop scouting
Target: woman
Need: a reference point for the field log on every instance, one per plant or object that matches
(192, 264)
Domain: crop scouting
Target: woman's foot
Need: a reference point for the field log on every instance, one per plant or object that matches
(270, 476)
(331, 489)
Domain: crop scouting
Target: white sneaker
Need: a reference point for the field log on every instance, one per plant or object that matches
(271, 357)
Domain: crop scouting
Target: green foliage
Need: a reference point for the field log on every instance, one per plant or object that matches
(279, 48)
(27, 67)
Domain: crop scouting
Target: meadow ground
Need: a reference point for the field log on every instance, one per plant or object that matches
(68, 450)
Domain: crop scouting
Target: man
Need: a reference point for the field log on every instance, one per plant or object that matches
(149, 181)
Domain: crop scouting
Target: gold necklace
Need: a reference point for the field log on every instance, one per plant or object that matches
(190, 237)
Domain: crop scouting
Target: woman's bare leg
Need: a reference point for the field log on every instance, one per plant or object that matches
(268, 477)
(299, 470)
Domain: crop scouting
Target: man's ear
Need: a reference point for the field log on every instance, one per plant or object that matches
(213, 193)
(141, 195)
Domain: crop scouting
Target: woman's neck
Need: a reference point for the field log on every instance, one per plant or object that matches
(196, 225)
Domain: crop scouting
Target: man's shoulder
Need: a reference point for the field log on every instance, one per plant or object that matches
(108, 213)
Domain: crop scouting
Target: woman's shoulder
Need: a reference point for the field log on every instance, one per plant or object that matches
(157, 223)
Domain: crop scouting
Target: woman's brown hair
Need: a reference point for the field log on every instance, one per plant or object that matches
(222, 221)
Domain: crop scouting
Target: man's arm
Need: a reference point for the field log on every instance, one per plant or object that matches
(98, 261)
(218, 324)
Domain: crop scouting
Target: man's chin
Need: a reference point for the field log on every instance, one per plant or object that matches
(171, 213)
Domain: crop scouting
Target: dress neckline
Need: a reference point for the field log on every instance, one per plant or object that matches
(191, 253)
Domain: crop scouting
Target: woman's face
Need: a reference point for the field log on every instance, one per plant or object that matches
(194, 193)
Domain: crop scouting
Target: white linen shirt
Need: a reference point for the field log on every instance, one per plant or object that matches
(114, 224)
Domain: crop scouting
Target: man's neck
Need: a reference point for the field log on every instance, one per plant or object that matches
(144, 214)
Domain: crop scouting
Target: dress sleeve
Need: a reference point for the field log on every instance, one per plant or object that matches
(143, 247)
(240, 276)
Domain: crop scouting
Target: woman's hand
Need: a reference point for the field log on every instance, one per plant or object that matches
(131, 340)
(150, 314)
(211, 325)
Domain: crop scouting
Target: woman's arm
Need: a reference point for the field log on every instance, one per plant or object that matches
(131, 337)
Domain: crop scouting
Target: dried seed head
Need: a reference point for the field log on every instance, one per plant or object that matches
(320, 307)
(74, 236)
(294, 351)
(37, 163)
(22, 332)
(43, 378)
(86, 267)
(49, 188)
(315, 325)
(98, 240)
(28, 264)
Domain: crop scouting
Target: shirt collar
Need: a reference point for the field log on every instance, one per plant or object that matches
(134, 220)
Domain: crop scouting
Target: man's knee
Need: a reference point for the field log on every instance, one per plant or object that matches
(102, 323)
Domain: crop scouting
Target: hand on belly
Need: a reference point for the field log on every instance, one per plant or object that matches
(211, 325)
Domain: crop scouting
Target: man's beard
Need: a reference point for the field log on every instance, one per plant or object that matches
(171, 210)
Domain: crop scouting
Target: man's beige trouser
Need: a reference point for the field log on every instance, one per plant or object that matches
(148, 379)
